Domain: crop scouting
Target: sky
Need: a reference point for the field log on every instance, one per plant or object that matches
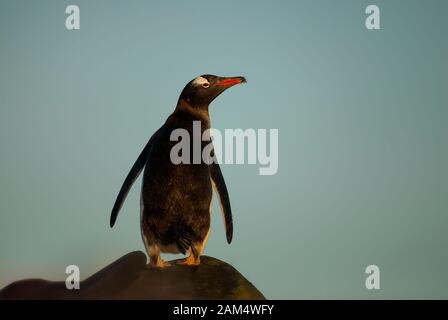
(361, 118)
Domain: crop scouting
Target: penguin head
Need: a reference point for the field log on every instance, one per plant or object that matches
(201, 91)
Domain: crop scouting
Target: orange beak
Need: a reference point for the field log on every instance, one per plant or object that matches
(231, 81)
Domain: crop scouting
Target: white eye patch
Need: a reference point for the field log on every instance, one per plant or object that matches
(200, 81)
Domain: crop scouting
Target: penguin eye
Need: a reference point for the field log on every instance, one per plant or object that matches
(206, 85)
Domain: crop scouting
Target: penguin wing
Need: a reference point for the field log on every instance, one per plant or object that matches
(220, 186)
(130, 179)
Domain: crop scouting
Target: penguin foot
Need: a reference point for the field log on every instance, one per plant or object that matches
(159, 263)
(190, 261)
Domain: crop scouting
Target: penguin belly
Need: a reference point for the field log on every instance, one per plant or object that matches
(176, 203)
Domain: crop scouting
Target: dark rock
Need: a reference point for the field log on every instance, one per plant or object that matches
(130, 278)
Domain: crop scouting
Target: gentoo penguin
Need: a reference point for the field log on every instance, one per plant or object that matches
(176, 199)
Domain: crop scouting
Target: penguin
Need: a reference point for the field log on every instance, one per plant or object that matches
(176, 199)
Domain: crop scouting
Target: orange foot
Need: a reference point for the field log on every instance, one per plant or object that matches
(159, 263)
(190, 261)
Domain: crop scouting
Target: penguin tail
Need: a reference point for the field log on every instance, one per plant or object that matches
(185, 242)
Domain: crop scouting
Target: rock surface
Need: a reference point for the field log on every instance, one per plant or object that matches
(130, 278)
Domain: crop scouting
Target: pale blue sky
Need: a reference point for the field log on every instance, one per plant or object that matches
(362, 136)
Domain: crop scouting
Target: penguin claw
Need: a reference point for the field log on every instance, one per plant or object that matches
(190, 261)
(159, 264)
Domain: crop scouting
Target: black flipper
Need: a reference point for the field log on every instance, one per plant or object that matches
(220, 186)
(130, 179)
